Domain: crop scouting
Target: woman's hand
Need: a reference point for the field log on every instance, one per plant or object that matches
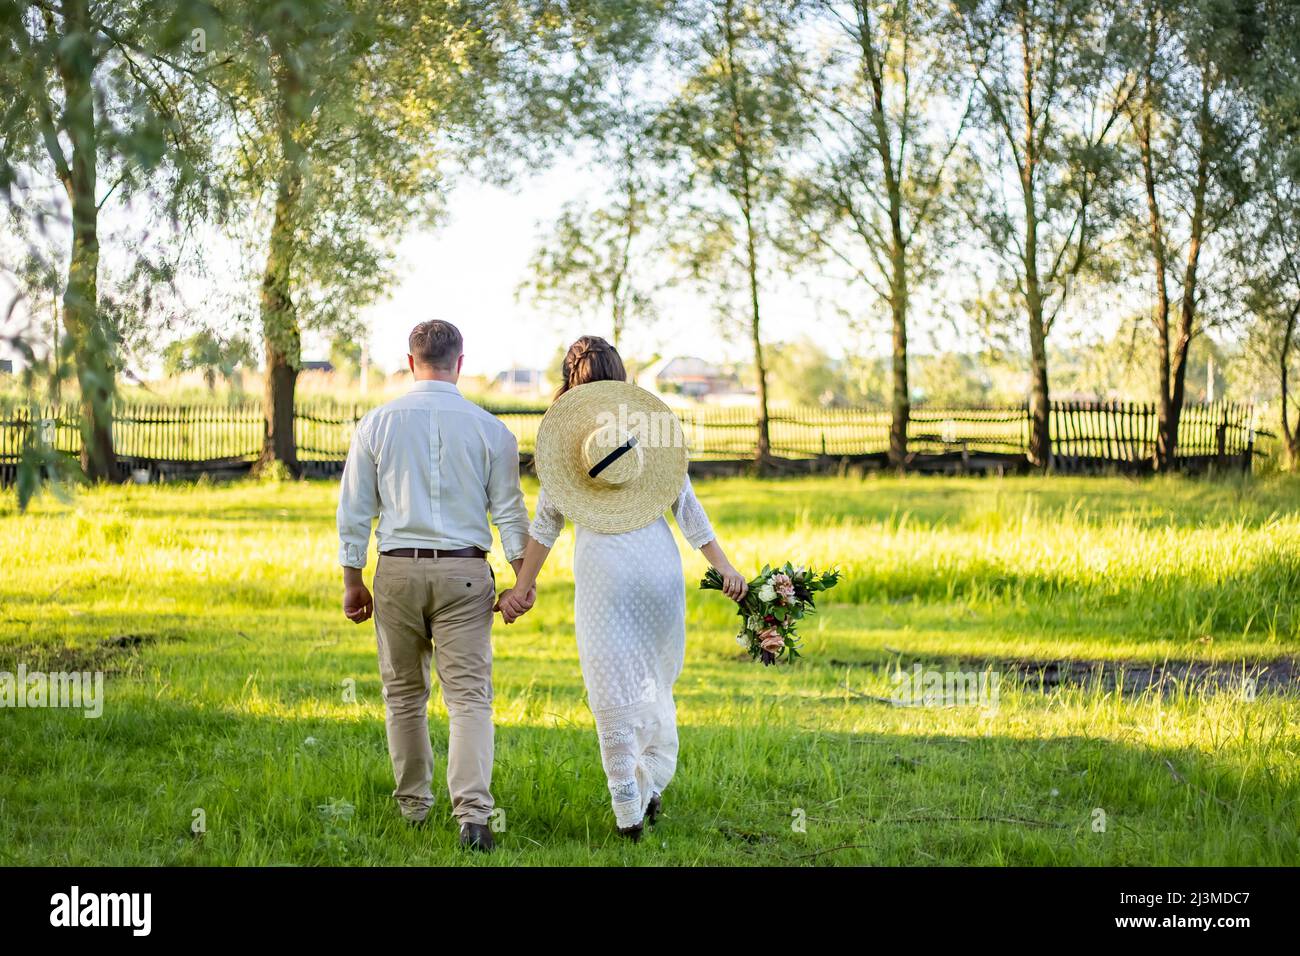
(515, 603)
(733, 585)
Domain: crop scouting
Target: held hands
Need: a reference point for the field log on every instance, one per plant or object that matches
(358, 605)
(515, 603)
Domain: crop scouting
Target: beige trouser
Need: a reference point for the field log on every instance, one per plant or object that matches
(439, 608)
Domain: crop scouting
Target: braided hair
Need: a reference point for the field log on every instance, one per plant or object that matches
(591, 359)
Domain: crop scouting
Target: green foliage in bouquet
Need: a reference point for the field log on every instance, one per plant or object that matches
(776, 601)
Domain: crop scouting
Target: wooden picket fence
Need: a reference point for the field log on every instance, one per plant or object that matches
(1097, 436)
(165, 440)
(178, 440)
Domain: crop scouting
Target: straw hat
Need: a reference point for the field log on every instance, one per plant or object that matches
(611, 456)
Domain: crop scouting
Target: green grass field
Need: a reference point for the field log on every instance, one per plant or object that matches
(214, 611)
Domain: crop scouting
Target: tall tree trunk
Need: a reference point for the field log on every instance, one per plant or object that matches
(618, 314)
(1040, 419)
(745, 199)
(621, 291)
(900, 402)
(91, 343)
(1166, 417)
(900, 405)
(763, 456)
(280, 333)
(1181, 346)
(1040, 408)
(1156, 241)
(1290, 435)
(281, 336)
(1177, 388)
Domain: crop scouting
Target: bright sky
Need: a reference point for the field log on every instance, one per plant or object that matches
(468, 271)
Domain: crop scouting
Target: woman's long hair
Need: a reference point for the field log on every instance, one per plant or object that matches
(591, 359)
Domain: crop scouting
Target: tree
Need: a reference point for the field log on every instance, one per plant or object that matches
(803, 373)
(334, 109)
(1051, 91)
(953, 379)
(348, 115)
(1280, 317)
(1267, 247)
(890, 109)
(728, 131)
(1189, 132)
(594, 261)
(347, 355)
(209, 353)
(100, 102)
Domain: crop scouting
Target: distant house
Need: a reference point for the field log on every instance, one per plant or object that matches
(6, 366)
(521, 381)
(693, 378)
(323, 365)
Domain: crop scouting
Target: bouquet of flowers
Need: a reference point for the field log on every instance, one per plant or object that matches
(776, 601)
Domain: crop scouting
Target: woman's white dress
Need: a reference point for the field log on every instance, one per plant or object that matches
(630, 619)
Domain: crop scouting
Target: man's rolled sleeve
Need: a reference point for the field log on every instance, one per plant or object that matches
(358, 501)
(506, 498)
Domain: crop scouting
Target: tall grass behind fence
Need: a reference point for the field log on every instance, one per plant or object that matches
(1085, 435)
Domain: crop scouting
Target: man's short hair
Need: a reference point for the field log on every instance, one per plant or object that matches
(436, 344)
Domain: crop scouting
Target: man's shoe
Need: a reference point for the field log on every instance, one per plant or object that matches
(477, 836)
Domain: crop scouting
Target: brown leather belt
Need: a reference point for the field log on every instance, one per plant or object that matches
(434, 553)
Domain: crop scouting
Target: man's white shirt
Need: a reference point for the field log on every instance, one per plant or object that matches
(431, 466)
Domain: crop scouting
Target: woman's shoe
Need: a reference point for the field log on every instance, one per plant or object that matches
(632, 833)
(654, 809)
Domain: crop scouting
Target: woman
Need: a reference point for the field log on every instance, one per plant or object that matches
(629, 596)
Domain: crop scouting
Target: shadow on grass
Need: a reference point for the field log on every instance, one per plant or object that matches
(277, 789)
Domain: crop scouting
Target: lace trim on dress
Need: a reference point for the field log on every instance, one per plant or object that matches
(691, 517)
(618, 751)
(548, 522)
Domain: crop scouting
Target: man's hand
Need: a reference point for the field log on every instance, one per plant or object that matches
(358, 605)
(515, 603)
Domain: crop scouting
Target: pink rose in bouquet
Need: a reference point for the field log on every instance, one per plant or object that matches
(771, 640)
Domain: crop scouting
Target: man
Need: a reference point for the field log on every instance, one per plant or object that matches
(431, 466)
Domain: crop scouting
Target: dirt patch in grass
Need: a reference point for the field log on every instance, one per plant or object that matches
(112, 655)
(1280, 676)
